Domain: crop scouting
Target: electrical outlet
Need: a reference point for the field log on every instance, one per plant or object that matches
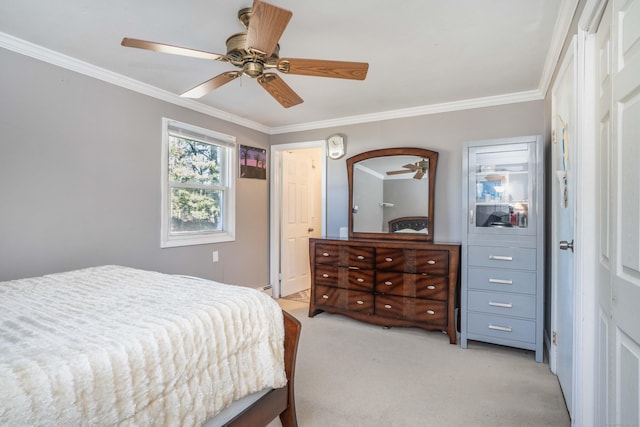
(214, 257)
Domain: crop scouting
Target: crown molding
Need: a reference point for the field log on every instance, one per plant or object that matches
(467, 104)
(47, 55)
(52, 57)
(560, 31)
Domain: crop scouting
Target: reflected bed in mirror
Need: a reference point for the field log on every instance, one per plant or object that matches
(391, 193)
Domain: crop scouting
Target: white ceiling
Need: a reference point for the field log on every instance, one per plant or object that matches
(424, 55)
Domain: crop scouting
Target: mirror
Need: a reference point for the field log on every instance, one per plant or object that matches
(391, 194)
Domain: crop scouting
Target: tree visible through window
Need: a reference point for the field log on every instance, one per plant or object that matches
(198, 191)
(194, 178)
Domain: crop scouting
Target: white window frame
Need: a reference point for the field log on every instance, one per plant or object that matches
(167, 240)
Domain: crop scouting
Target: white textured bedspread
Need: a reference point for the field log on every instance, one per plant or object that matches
(119, 346)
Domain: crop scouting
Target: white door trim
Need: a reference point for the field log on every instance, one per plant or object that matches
(585, 311)
(275, 204)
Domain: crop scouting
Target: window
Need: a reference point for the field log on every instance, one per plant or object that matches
(198, 185)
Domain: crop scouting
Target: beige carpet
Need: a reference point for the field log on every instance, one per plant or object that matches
(350, 373)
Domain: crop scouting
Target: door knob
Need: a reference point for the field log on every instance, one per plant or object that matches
(564, 245)
(310, 230)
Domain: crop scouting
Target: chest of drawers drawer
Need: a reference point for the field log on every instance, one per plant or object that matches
(345, 256)
(344, 277)
(506, 304)
(504, 328)
(413, 261)
(414, 309)
(412, 285)
(502, 257)
(502, 280)
(344, 299)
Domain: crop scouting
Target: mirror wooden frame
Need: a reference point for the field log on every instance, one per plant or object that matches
(406, 151)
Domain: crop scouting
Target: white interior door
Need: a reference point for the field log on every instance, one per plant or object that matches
(563, 203)
(618, 174)
(300, 216)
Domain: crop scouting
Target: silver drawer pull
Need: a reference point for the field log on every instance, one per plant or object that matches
(431, 312)
(387, 306)
(325, 296)
(501, 258)
(501, 304)
(388, 283)
(325, 275)
(431, 287)
(431, 262)
(500, 328)
(360, 257)
(325, 254)
(360, 302)
(388, 259)
(360, 279)
(501, 281)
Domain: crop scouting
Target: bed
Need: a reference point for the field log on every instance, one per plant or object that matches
(409, 224)
(114, 345)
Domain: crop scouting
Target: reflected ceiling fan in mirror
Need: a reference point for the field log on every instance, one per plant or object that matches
(255, 52)
(420, 168)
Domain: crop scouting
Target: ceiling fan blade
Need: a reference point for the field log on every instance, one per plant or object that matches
(211, 84)
(418, 175)
(323, 68)
(398, 172)
(266, 25)
(167, 48)
(279, 90)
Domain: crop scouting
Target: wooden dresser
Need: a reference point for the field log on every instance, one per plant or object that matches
(387, 283)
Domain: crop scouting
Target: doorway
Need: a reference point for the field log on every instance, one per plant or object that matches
(563, 201)
(298, 195)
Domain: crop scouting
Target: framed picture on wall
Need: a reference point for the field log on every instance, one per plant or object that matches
(253, 162)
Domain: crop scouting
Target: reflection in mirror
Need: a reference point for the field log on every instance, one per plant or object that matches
(391, 193)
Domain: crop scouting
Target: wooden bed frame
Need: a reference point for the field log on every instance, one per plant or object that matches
(280, 401)
(412, 222)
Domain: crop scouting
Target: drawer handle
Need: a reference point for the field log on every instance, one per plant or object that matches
(431, 262)
(360, 257)
(387, 306)
(431, 287)
(325, 275)
(501, 258)
(360, 302)
(499, 328)
(431, 312)
(388, 259)
(501, 281)
(501, 304)
(325, 254)
(360, 280)
(325, 296)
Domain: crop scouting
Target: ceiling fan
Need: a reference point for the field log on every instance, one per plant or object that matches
(255, 52)
(420, 168)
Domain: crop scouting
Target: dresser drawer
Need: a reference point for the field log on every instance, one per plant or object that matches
(506, 304)
(343, 299)
(507, 328)
(412, 285)
(413, 261)
(499, 257)
(343, 277)
(502, 280)
(345, 256)
(327, 254)
(412, 309)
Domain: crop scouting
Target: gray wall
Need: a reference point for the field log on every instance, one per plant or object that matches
(80, 180)
(444, 133)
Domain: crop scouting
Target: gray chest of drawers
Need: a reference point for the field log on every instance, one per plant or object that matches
(502, 292)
